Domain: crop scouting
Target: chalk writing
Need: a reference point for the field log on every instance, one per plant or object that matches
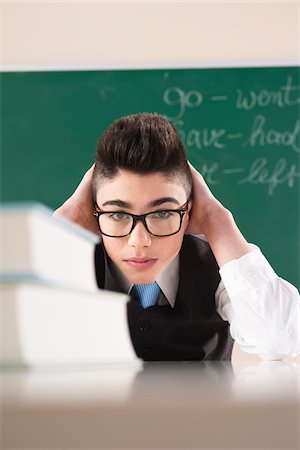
(219, 98)
(262, 136)
(287, 95)
(174, 96)
(107, 93)
(232, 171)
(202, 138)
(209, 172)
(234, 136)
(261, 173)
(259, 133)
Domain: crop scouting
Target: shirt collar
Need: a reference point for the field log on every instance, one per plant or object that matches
(167, 280)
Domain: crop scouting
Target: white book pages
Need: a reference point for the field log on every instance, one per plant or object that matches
(44, 325)
(38, 246)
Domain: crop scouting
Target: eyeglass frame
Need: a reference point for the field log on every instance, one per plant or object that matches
(142, 218)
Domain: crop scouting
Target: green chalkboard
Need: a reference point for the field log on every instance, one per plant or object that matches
(240, 126)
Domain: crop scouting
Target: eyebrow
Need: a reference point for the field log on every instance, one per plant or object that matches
(128, 205)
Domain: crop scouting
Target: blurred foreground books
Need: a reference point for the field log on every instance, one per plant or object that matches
(42, 325)
(37, 246)
(51, 311)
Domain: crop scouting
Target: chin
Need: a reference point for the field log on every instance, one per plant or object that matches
(141, 279)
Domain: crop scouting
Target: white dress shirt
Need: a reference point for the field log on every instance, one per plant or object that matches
(263, 310)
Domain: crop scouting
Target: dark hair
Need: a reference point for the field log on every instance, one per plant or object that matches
(141, 143)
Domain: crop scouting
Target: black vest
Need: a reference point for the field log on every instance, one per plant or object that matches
(192, 330)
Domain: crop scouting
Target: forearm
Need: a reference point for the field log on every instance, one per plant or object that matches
(262, 309)
(223, 235)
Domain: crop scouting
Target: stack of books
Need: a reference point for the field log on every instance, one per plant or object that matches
(51, 310)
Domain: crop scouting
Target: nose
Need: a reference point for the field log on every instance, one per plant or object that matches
(139, 237)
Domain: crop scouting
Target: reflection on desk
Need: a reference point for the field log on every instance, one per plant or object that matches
(159, 405)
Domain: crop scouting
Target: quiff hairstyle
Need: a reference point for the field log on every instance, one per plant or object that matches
(141, 143)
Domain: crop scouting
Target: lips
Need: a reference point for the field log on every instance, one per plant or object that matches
(140, 263)
(140, 260)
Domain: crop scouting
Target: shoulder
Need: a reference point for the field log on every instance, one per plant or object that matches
(198, 241)
(196, 248)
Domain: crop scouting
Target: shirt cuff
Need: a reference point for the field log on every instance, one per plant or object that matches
(247, 272)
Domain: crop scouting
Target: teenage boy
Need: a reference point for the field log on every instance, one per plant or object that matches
(196, 284)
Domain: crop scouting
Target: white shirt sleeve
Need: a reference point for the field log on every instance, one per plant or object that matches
(263, 310)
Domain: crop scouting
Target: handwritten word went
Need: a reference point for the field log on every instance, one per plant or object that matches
(286, 95)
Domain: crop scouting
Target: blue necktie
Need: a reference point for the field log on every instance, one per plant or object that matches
(147, 293)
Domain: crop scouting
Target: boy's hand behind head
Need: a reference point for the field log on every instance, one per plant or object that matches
(80, 206)
(204, 203)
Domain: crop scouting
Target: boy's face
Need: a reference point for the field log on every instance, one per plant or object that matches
(140, 256)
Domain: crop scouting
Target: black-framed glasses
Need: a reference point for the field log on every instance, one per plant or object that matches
(162, 222)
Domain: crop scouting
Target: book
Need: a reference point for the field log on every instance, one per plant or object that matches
(39, 247)
(43, 325)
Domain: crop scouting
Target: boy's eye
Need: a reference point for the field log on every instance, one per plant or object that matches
(162, 214)
(119, 216)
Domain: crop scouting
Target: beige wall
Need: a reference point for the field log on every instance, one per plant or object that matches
(133, 34)
(149, 34)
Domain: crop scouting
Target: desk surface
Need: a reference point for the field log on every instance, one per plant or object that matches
(157, 405)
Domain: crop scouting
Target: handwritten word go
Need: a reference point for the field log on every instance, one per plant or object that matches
(174, 96)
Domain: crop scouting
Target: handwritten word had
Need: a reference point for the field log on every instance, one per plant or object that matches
(281, 173)
(262, 136)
